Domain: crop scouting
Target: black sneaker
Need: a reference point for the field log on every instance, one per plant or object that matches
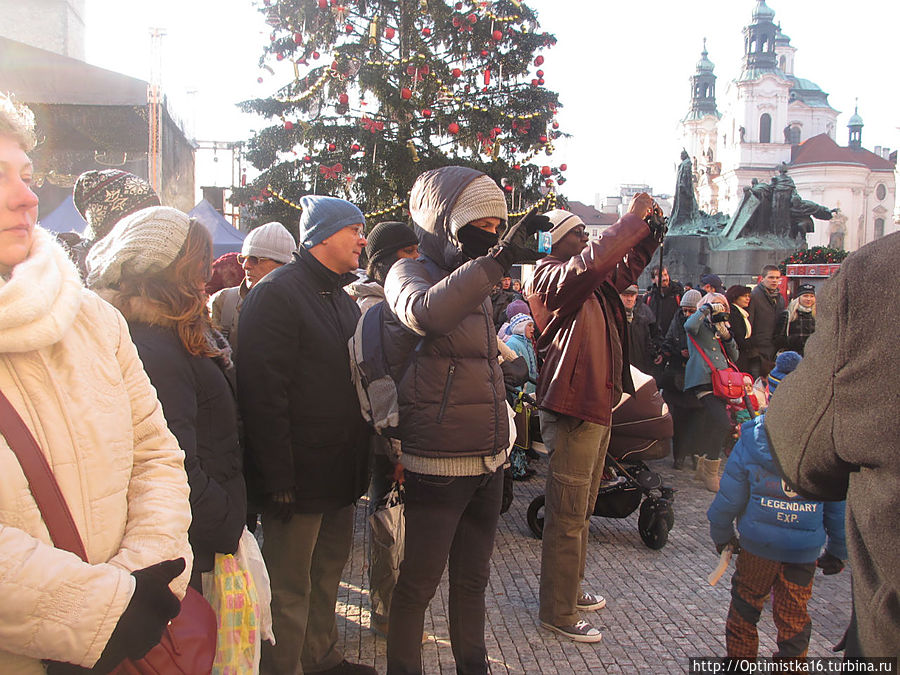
(581, 631)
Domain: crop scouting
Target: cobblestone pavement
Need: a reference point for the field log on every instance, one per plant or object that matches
(660, 609)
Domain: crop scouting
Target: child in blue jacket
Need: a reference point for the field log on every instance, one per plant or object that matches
(781, 537)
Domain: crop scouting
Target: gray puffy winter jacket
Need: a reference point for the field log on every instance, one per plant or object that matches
(452, 396)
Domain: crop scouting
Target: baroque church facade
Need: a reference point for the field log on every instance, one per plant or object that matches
(770, 115)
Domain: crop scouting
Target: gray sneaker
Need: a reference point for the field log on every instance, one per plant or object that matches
(581, 631)
(590, 601)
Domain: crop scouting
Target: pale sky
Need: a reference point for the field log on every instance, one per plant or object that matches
(622, 70)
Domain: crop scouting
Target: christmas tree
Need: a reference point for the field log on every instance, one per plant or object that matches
(375, 92)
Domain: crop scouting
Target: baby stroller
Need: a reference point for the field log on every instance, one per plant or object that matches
(641, 431)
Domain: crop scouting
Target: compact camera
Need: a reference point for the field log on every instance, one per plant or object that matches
(720, 317)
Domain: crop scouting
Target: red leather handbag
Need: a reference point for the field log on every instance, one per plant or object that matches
(188, 645)
(727, 383)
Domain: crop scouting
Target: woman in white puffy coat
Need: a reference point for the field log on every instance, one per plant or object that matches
(69, 368)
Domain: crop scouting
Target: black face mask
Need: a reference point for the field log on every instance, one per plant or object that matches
(476, 242)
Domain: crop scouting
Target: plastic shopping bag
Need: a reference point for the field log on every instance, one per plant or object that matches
(231, 590)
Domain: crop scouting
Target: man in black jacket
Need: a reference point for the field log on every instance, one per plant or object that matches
(307, 444)
(766, 305)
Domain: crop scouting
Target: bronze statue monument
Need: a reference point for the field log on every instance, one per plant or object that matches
(684, 209)
(775, 209)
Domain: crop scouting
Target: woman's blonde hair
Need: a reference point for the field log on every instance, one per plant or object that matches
(17, 122)
(176, 294)
(793, 309)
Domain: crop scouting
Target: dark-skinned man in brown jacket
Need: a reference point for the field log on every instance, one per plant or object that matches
(574, 297)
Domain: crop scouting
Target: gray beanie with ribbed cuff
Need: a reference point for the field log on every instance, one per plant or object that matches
(271, 240)
(325, 216)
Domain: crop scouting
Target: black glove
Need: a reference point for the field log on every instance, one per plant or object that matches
(141, 625)
(281, 504)
(733, 542)
(657, 222)
(830, 564)
(512, 248)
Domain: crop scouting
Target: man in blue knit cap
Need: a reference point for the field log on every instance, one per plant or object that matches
(781, 538)
(307, 443)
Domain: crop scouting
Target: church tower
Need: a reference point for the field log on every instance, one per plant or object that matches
(700, 132)
(54, 25)
(759, 40)
(855, 125)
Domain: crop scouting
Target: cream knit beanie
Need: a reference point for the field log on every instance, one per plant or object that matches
(272, 241)
(482, 198)
(561, 223)
(145, 242)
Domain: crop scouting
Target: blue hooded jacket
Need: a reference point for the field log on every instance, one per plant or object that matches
(773, 521)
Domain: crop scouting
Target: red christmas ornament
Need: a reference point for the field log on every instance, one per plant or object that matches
(548, 182)
(426, 112)
(540, 73)
(307, 158)
(458, 6)
(331, 147)
(456, 72)
(453, 128)
(288, 125)
(298, 38)
(508, 188)
(539, 60)
(426, 32)
(455, 22)
(563, 167)
(534, 83)
(484, 52)
(541, 81)
(389, 33)
(556, 125)
(561, 181)
(343, 99)
(543, 139)
(355, 147)
(497, 131)
(323, 4)
(348, 28)
(315, 55)
(545, 171)
(513, 149)
(472, 18)
(517, 167)
(405, 94)
(497, 35)
(259, 79)
(279, 56)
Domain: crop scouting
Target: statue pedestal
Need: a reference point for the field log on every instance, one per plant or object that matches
(688, 257)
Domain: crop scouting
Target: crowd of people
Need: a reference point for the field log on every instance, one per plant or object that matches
(169, 438)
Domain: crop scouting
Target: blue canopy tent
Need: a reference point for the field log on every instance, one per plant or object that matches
(225, 237)
(64, 218)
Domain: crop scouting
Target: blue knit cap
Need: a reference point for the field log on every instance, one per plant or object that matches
(324, 216)
(784, 365)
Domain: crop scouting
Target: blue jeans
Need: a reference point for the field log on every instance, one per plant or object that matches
(451, 518)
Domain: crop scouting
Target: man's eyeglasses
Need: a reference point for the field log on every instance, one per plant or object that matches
(252, 259)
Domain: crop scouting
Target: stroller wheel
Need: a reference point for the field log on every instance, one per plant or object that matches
(654, 522)
(535, 516)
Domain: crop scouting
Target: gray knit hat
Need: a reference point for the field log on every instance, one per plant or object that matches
(482, 198)
(561, 222)
(145, 242)
(271, 240)
(691, 298)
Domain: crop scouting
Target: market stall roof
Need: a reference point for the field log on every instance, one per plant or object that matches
(226, 238)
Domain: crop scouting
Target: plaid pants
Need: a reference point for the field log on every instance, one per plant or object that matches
(791, 586)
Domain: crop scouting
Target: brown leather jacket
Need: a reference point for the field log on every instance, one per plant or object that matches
(585, 366)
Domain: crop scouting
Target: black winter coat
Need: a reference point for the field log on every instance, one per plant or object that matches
(642, 339)
(664, 306)
(302, 422)
(199, 406)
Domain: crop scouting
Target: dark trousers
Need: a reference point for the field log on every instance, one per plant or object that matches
(791, 587)
(711, 426)
(451, 518)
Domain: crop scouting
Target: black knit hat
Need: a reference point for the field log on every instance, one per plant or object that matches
(387, 238)
(103, 198)
(805, 288)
